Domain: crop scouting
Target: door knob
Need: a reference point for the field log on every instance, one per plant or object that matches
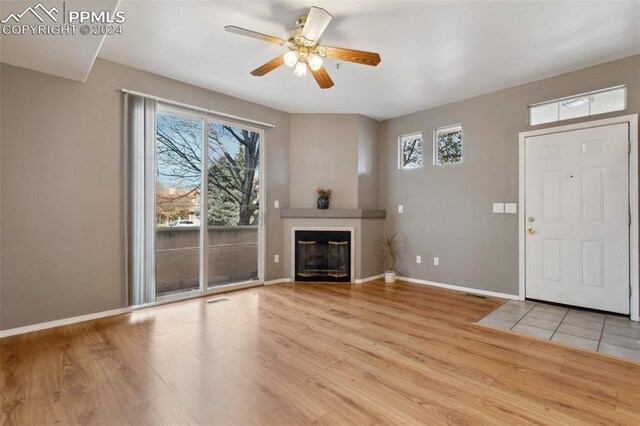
(530, 230)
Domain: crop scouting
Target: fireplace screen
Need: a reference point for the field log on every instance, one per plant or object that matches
(323, 256)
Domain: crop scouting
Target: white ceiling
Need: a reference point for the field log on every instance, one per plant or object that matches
(432, 53)
(69, 56)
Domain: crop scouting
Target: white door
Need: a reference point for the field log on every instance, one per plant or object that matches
(577, 217)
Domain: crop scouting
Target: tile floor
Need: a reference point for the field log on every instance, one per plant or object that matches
(609, 334)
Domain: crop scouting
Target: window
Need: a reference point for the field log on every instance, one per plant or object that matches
(410, 151)
(447, 145)
(598, 102)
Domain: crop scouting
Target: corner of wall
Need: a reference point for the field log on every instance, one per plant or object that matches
(368, 174)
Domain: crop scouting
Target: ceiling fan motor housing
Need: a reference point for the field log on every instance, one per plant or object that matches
(305, 47)
(301, 21)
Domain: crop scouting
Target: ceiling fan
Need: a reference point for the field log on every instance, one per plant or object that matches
(305, 52)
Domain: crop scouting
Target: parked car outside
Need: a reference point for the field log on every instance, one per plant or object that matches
(181, 222)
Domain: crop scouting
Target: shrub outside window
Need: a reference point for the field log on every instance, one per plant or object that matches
(410, 154)
(447, 145)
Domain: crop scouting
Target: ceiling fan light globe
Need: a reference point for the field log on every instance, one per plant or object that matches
(315, 62)
(301, 69)
(291, 58)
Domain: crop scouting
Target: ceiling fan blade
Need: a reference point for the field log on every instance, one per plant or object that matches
(253, 34)
(268, 67)
(322, 78)
(350, 55)
(317, 22)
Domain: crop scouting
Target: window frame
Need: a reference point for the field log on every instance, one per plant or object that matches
(558, 102)
(447, 129)
(207, 118)
(401, 141)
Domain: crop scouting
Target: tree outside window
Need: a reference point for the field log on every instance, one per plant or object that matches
(448, 145)
(411, 151)
(232, 172)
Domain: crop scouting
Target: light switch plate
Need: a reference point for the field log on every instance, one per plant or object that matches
(276, 258)
(498, 207)
(400, 208)
(436, 261)
(511, 208)
(418, 259)
(276, 204)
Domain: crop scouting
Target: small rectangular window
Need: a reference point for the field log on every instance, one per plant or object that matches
(586, 104)
(447, 145)
(410, 154)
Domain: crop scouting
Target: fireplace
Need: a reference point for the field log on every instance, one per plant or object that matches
(322, 255)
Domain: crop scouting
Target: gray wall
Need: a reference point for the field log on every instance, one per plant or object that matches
(368, 176)
(324, 153)
(337, 151)
(447, 209)
(61, 174)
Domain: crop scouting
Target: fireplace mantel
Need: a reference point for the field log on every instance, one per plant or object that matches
(333, 213)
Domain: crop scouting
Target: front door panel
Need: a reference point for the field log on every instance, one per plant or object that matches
(577, 218)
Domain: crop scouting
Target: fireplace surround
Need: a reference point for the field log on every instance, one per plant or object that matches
(365, 262)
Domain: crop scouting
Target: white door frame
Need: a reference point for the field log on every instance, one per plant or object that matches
(632, 120)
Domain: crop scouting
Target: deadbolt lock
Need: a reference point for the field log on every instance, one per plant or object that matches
(531, 219)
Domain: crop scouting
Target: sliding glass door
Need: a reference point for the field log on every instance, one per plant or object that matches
(207, 204)
(179, 146)
(233, 204)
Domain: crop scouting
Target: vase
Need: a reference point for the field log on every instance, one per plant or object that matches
(390, 277)
(323, 203)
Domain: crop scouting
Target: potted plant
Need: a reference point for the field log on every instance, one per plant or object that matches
(324, 195)
(390, 249)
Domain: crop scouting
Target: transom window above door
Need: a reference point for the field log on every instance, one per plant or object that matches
(586, 104)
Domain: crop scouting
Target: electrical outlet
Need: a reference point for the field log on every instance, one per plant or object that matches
(400, 208)
(276, 204)
(436, 261)
(418, 259)
(498, 207)
(276, 258)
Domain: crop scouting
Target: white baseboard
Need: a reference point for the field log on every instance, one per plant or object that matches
(66, 321)
(461, 288)
(278, 281)
(364, 280)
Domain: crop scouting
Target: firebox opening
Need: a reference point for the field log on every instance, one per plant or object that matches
(323, 256)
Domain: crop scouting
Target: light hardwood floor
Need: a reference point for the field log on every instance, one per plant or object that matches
(310, 353)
